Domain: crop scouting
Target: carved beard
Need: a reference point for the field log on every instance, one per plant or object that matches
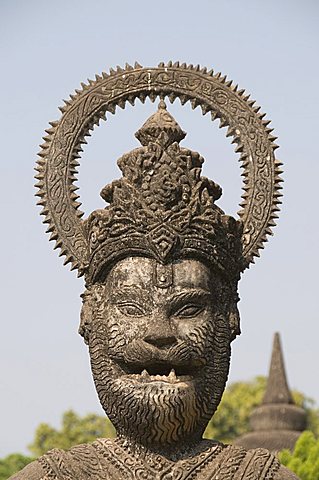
(159, 413)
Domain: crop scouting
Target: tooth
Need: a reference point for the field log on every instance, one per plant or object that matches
(172, 376)
(144, 373)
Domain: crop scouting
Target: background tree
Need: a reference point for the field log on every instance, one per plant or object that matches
(232, 417)
(12, 464)
(74, 430)
(304, 460)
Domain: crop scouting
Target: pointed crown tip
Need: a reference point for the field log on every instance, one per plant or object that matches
(162, 105)
(161, 127)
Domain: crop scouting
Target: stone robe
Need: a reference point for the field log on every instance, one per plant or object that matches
(106, 459)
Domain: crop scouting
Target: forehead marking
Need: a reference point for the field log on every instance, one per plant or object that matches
(163, 275)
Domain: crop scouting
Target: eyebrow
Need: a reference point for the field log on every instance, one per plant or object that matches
(190, 294)
(130, 292)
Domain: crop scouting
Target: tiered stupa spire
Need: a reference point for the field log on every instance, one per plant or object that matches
(277, 390)
(277, 422)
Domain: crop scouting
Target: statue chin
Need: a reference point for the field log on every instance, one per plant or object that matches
(155, 412)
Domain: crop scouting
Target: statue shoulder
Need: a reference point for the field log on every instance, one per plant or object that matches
(269, 465)
(80, 461)
(258, 463)
(33, 471)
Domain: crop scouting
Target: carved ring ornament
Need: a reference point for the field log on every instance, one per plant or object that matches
(58, 163)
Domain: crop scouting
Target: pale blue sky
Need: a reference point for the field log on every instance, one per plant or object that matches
(271, 49)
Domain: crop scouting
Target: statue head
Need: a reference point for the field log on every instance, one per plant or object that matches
(159, 340)
(162, 263)
(160, 309)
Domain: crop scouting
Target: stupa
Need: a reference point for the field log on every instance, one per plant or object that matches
(278, 422)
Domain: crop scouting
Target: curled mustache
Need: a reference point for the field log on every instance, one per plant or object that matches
(141, 352)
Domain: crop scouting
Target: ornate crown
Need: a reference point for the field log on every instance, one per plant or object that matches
(162, 207)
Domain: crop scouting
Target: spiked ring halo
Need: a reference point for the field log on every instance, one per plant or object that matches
(58, 162)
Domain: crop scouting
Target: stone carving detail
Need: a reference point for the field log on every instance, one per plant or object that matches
(88, 461)
(58, 164)
(163, 206)
(161, 263)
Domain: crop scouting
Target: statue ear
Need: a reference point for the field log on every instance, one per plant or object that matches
(234, 322)
(92, 300)
(86, 315)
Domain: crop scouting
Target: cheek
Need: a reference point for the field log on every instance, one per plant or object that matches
(122, 329)
(198, 330)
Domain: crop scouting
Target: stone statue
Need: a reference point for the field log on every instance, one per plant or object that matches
(161, 264)
(278, 422)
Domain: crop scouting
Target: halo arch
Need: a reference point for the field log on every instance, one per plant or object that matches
(60, 152)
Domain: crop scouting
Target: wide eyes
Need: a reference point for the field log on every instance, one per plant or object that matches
(188, 311)
(130, 309)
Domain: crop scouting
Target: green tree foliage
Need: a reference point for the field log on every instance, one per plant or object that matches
(13, 463)
(74, 430)
(232, 417)
(304, 460)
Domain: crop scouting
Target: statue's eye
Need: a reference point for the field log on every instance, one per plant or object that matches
(130, 309)
(189, 310)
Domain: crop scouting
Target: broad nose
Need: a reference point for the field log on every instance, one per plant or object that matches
(160, 333)
(160, 340)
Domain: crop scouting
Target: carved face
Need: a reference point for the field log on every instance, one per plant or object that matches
(160, 346)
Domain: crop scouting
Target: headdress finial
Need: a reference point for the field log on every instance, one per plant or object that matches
(160, 128)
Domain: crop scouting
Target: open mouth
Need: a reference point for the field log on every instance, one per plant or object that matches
(159, 372)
